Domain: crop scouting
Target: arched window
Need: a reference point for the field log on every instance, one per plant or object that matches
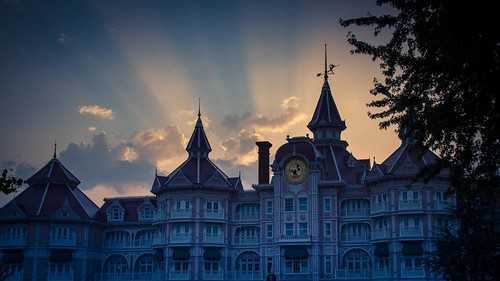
(116, 265)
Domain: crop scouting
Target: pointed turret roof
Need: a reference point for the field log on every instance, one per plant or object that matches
(198, 169)
(49, 188)
(198, 144)
(326, 114)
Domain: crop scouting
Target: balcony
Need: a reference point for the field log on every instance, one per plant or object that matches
(245, 275)
(179, 275)
(213, 238)
(214, 214)
(68, 241)
(213, 275)
(13, 240)
(355, 237)
(306, 238)
(60, 276)
(381, 274)
(410, 205)
(417, 272)
(153, 276)
(246, 216)
(159, 216)
(380, 233)
(159, 239)
(117, 244)
(180, 237)
(411, 231)
(380, 207)
(143, 243)
(442, 205)
(244, 240)
(354, 213)
(353, 274)
(181, 213)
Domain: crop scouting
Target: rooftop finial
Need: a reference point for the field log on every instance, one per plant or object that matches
(199, 107)
(328, 68)
(55, 148)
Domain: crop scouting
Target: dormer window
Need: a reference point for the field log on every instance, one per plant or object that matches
(115, 215)
(146, 213)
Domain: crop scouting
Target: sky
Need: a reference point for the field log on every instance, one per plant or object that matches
(114, 87)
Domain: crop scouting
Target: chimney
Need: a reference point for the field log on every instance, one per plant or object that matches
(263, 161)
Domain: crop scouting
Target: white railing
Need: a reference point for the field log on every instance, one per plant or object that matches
(413, 272)
(152, 276)
(442, 204)
(214, 214)
(411, 231)
(180, 237)
(180, 213)
(159, 239)
(213, 275)
(211, 238)
(117, 244)
(62, 240)
(13, 240)
(245, 275)
(159, 216)
(143, 243)
(246, 216)
(179, 275)
(379, 207)
(244, 240)
(381, 273)
(353, 274)
(355, 237)
(354, 213)
(295, 238)
(410, 204)
(60, 277)
(380, 233)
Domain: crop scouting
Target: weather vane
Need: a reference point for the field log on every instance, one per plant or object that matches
(328, 68)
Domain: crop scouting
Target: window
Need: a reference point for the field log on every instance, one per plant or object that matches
(61, 233)
(60, 269)
(288, 229)
(15, 233)
(288, 204)
(212, 207)
(327, 204)
(303, 228)
(303, 204)
(381, 198)
(147, 213)
(115, 215)
(328, 265)
(296, 265)
(269, 264)
(328, 228)
(269, 230)
(269, 204)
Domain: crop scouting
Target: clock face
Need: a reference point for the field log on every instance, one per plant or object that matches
(296, 170)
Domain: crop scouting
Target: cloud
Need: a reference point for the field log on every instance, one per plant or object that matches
(63, 39)
(96, 110)
(242, 149)
(130, 161)
(263, 123)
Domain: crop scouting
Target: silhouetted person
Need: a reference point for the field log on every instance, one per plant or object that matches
(270, 276)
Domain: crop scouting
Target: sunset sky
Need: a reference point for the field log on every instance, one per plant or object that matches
(116, 84)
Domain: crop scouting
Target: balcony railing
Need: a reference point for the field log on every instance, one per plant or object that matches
(153, 276)
(117, 244)
(353, 274)
(15, 277)
(413, 272)
(13, 240)
(354, 213)
(244, 240)
(180, 237)
(143, 243)
(442, 205)
(245, 275)
(213, 275)
(62, 240)
(380, 233)
(214, 214)
(179, 275)
(213, 238)
(381, 274)
(411, 231)
(180, 213)
(379, 207)
(355, 237)
(246, 216)
(60, 276)
(159, 216)
(295, 238)
(410, 204)
(159, 239)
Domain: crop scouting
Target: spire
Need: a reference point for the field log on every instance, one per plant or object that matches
(198, 143)
(55, 149)
(326, 123)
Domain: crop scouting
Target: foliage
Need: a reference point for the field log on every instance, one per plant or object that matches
(9, 184)
(471, 249)
(440, 90)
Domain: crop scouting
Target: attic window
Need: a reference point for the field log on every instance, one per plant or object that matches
(146, 213)
(115, 215)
